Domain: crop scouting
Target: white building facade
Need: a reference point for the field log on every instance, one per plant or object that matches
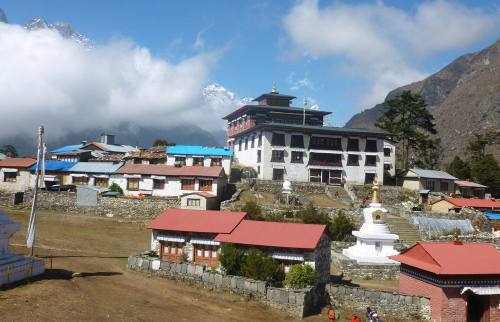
(192, 155)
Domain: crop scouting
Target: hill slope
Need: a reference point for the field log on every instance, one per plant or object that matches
(464, 98)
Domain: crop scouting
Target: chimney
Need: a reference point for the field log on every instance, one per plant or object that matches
(84, 142)
(107, 138)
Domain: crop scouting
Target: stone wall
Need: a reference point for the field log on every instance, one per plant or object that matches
(121, 206)
(351, 269)
(300, 187)
(297, 303)
(386, 303)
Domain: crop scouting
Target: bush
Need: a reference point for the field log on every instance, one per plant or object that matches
(300, 276)
(231, 259)
(253, 209)
(116, 188)
(341, 227)
(260, 266)
(311, 215)
(452, 232)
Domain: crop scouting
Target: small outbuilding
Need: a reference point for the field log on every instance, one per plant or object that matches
(14, 174)
(462, 280)
(455, 204)
(469, 189)
(199, 200)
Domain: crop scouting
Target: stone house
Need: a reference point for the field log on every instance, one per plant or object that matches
(199, 200)
(469, 189)
(461, 279)
(287, 243)
(282, 142)
(185, 234)
(426, 182)
(160, 180)
(14, 174)
(193, 155)
(455, 204)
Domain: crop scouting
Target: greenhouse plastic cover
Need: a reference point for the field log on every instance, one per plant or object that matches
(438, 226)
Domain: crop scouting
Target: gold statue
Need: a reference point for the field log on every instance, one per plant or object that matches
(376, 192)
(274, 90)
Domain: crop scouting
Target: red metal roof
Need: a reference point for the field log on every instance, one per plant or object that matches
(449, 258)
(199, 221)
(274, 234)
(168, 170)
(475, 203)
(17, 163)
(465, 183)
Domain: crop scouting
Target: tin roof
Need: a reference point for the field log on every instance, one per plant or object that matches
(168, 170)
(67, 148)
(432, 174)
(474, 203)
(464, 183)
(2, 156)
(17, 162)
(95, 167)
(199, 221)
(274, 234)
(54, 165)
(452, 258)
(198, 150)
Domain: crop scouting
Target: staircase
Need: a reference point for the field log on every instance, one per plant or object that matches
(338, 193)
(408, 233)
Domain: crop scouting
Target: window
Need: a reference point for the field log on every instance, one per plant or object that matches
(371, 160)
(443, 186)
(9, 176)
(216, 162)
(325, 159)
(322, 143)
(159, 184)
(258, 169)
(387, 166)
(315, 175)
(297, 157)
(371, 146)
(387, 152)
(180, 161)
(252, 142)
(239, 145)
(187, 184)
(369, 178)
(297, 141)
(137, 161)
(278, 139)
(205, 185)
(278, 156)
(101, 182)
(429, 185)
(246, 143)
(352, 159)
(197, 161)
(352, 145)
(278, 174)
(80, 180)
(133, 184)
(193, 202)
(259, 157)
(259, 143)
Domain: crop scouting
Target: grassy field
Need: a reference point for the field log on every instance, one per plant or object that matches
(104, 290)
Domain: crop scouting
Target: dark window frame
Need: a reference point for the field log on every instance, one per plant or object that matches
(188, 186)
(297, 141)
(277, 156)
(352, 145)
(278, 139)
(387, 152)
(278, 174)
(369, 163)
(8, 177)
(371, 145)
(131, 184)
(158, 184)
(351, 162)
(325, 143)
(297, 157)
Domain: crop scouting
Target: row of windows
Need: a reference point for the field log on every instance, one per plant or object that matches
(325, 159)
(159, 184)
(199, 161)
(252, 142)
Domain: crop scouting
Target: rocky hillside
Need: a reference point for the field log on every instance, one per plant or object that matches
(464, 98)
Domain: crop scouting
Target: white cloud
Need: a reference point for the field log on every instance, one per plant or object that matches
(296, 84)
(199, 42)
(50, 80)
(383, 44)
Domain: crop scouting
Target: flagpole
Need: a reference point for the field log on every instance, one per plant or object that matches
(30, 240)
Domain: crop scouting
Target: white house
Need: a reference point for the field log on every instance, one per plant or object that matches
(92, 173)
(14, 174)
(193, 155)
(426, 181)
(169, 181)
(288, 143)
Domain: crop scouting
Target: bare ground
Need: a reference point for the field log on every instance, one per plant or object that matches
(104, 290)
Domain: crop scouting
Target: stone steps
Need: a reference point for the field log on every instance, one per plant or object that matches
(338, 193)
(408, 233)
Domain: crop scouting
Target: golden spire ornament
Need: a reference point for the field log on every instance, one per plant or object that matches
(376, 192)
(274, 90)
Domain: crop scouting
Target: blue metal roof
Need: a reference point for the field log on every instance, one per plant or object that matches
(54, 165)
(492, 215)
(67, 148)
(198, 150)
(95, 167)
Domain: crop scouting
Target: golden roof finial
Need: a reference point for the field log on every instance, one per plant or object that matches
(376, 191)
(274, 90)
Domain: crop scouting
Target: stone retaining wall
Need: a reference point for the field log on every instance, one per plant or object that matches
(386, 303)
(121, 206)
(297, 303)
(351, 269)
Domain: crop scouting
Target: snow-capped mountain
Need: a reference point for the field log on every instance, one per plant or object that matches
(64, 29)
(216, 94)
(3, 17)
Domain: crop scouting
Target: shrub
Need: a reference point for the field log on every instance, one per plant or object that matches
(116, 188)
(231, 259)
(311, 215)
(300, 276)
(452, 232)
(341, 227)
(253, 209)
(260, 266)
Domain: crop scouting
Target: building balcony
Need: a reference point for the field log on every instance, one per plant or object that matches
(240, 127)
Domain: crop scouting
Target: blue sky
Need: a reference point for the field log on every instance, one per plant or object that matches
(290, 43)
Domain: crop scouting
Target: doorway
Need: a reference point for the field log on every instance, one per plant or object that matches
(478, 308)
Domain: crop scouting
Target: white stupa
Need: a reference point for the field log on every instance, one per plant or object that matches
(374, 241)
(14, 268)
